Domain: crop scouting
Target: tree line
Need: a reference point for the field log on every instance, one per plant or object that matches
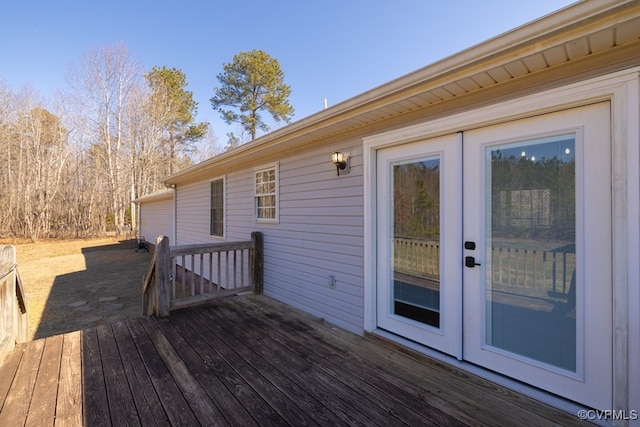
(534, 199)
(72, 167)
(416, 199)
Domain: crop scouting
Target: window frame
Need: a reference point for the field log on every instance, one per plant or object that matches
(224, 207)
(276, 193)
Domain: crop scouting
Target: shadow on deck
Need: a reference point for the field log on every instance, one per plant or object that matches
(246, 360)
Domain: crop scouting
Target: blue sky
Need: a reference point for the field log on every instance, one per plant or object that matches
(333, 49)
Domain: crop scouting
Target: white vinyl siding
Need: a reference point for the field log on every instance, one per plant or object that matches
(319, 232)
(156, 219)
(192, 213)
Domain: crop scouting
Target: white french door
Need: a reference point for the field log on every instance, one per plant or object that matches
(418, 233)
(517, 219)
(538, 207)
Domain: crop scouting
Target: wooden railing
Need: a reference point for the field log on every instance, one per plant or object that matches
(544, 269)
(184, 275)
(13, 307)
(417, 257)
(547, 270)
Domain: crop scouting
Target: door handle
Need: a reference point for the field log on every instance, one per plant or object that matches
(470, 262)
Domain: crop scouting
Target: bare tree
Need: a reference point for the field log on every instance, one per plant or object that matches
(40, 150)
(6, 159)
(102, 82)
(206, 148)
(74, 168)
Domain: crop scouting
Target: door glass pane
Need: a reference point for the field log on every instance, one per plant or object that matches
(531, 250)
(416, 240)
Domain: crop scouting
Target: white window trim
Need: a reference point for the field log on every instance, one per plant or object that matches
(276, 167)
(224, 207)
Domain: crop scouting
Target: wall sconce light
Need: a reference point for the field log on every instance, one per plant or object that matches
(341, 161)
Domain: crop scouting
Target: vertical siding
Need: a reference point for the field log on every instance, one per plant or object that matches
(320, 232)
(156, 219)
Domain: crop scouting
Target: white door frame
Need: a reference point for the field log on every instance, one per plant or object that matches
(622, 90)
(446, 337)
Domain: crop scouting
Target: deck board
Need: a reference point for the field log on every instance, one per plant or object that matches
(372, 389)
(319, 373)
(436, 381)
(357, 356)
(16, 406)
(173, 402)
(69, 393)
(231, 407)
(120, 399)
(203, 408)
(9, 369)
(246, 360)
(43, 401)
(270, 396)
(228, 372)
(290, 374)
(286, 381)
(145, 398)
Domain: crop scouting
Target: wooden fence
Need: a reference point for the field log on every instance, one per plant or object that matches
(13, 307)
(180, 276)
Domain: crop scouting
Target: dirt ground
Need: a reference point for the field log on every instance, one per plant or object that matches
(76, 284)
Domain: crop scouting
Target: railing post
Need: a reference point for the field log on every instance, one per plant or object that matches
(257, 262)
(163, 264)
(13, 308)
(145, 297)
(22, 321)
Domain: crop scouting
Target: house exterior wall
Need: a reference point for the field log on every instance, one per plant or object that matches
(156, 219)
(325, 226)
(192, 214)
(319, 233)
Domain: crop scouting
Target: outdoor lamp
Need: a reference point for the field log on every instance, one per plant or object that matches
(341, 161)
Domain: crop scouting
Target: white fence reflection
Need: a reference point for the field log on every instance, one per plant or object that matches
(547, 269)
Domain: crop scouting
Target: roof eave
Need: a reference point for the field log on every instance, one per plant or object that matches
(158, 196)
(564, 24)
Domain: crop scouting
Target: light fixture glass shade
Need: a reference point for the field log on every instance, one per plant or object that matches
(341, 161)
(338, 158)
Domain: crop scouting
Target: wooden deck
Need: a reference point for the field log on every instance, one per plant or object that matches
(244, 361)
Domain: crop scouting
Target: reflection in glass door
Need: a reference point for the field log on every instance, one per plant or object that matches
(419, 277)
(537, 299)
(531, 250)
(416, 240)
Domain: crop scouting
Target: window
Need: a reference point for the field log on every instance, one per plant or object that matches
(217, 208)
(266, 194)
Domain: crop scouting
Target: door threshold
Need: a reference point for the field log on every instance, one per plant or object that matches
(417, 350)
